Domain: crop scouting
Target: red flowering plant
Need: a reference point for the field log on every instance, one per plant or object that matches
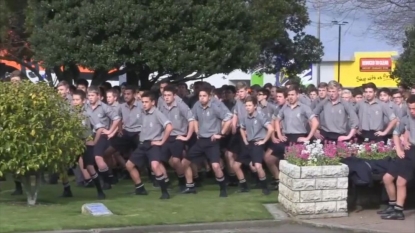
(372, 150)
(312, 154)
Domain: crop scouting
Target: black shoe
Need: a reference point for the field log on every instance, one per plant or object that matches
(156, 184)
(189, 190)
(106, 186)
(395, 215)
(266, 192)
(165, 196)
(141, 192)
(223, 193)
(101, 196)
(387, 210)
(114, 180)
(257, 186)
(243, 190)
(17, 192)
(233, 184)
(67, 193)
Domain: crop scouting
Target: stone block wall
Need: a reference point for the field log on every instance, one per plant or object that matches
(314, 191)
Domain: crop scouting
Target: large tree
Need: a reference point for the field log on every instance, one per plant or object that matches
(185, 39)
(386, 19)
(405, 65)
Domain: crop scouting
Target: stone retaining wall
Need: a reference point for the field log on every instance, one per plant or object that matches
(314, 191)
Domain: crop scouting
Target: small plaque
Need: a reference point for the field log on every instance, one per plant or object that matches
(96, 209)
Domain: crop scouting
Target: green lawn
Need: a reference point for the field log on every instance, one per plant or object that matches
(54, 213)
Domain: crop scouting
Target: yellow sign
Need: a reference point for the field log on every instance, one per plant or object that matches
(355, 73)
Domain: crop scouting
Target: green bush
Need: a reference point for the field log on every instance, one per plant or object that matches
(38, 133)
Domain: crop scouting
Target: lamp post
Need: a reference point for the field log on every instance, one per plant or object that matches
(340, 24)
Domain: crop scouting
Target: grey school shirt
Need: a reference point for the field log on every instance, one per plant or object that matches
(406, 123)
(371, 115)
(255, 126)
(210, 118)
(239, 110)
(335, 117)
(395, 109)
(180, 115)
(131, 116)
(101, 116)
(269, 110)
(153, 124)
(295, 119)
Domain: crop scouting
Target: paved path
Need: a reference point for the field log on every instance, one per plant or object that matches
(284, 228)
(368, 219)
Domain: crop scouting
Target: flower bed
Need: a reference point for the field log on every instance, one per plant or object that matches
(313, 181)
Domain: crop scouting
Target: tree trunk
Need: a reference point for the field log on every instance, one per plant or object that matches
(99, 77)
(31, 187)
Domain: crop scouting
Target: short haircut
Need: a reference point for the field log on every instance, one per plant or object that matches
(252, 99)
(241, 85)
(411, 99)
(148, 94)
(170, 88)
(394, 92)
(347, 92)
(182, 84)
(102, 91)
(282, 90)
(293, 88)
(312, 90)
(80, 93)
(205, 89)
(268, 85)
(118, 88)
(130, 88)
(217, 91)
(333, 84)
(72, 88)
(265, 92)
(164, 81)
(385, 90)
(357, 91)
(403, 86)
(107, 85)
(256, 87)
(322, 85)
(94, 89)
(82, 82)
(369, 85)
(231, 89)
(16, 73)
(63, 84)
(114, 91)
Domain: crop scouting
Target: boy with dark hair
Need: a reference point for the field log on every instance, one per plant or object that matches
(156, 129)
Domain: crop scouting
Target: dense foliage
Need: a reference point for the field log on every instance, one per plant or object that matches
(38, 132)
(405, 65)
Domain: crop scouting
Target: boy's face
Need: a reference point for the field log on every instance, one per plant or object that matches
(77, 100)
(63, 91)
(15, 79)
(111, 99)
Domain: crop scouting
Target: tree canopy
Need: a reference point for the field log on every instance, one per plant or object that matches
(405, 65)
(179, 38)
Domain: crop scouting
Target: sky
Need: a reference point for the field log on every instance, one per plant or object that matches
(354, 36)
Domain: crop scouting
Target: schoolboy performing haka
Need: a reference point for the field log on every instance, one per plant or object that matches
(335, 115)
(269, 109)
(256, 130)
(371, 114)
(126, 138)
(402, 170)
(155, 131)
(182, 120)
(209, 129)
(101, 116)
(294, 118)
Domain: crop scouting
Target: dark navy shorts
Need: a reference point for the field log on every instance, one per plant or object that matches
(251, 153)
(88, 157)
(405, 167)
(145, 152)
(204, 148)
(278, 149)
(102, 145)
(126, 142)
(173, 148)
